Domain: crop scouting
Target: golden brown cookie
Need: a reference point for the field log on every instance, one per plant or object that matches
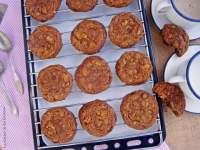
(42, 10)
(45, 42)
(54, 83)
(118, 3)
(81, 5)
(97, 117)
(125, 30)
(172, 96)
(89, 36)
(93, 75)
(133, 68)
(139, 110)
(176, 37)
(58, 125)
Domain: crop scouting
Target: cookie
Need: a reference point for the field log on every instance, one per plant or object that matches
(97, 118)
(89, 36)
(42, 10)
(139, 110)
(134, 68)
(58, 125)
(176, 37)
(54, 83)
(81, 5)
(172, 96)
(45, 42)
(118, 3)
(93, 75)
(125, 30)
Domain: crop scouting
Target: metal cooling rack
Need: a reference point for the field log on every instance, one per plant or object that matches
(122, 137)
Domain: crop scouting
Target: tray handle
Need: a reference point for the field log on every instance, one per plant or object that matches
(122, 144)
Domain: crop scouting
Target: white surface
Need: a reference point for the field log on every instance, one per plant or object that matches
(161, 20)
(192, 105)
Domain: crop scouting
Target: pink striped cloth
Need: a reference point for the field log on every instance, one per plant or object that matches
(16, 132)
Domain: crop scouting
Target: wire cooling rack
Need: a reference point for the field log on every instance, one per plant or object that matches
(122, 137)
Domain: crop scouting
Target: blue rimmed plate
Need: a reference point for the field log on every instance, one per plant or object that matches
(192, 105)
(161, 20)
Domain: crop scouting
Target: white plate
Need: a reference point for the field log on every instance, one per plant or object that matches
(161, 20)
(192, 105)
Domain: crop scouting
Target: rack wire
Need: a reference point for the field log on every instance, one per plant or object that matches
(39, 106)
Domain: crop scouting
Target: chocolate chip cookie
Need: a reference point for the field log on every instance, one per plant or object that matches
(93, 75)
(172, 96)
(54, 83)
(89, 36)
(58, 125)
(45, 42)
(139, 110)
(81, 5)
(97, 118)
(176, 37)
(133, 68)
(125, 30)
(42, 10)
(118, 3)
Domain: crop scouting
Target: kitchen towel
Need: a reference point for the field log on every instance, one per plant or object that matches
(16, 132)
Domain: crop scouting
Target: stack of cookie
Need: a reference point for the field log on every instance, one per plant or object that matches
(139, 109)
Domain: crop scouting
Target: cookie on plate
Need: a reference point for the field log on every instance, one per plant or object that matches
(176, 37)
(172, 96)
(54, 83)
(97, 118)
(89, 36)
(42, 10)
(133, 68)
(139, 110)
(81, 5)
(45, 42)
(125, 30)
(93, 75)
(118, 3)
(58, 125)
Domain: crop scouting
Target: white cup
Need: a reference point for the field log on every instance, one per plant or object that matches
(188, 77)
(168, 8)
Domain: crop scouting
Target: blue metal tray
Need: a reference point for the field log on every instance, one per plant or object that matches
(122, 137)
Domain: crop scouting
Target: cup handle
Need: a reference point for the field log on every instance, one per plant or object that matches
(176, 79)
(163, 7)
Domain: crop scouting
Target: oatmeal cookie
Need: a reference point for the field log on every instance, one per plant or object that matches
(54, 83)
(42, 10)
(176, 37)
(118, 3)
(59, 125)
(139, 110)
(93, 75)
(45, 42)
(125, 30)
(89, 36)
(97, 118)
(172, 96)
(81, 5)
(134, 68)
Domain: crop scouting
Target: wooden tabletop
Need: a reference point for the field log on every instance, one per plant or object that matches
(183, 133)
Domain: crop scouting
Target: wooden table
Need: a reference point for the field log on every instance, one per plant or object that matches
(183, 133)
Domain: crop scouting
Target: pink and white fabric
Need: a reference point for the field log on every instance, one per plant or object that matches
(16, 132)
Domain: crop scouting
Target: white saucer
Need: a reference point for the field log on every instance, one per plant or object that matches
(192, 105)
(161, 20)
